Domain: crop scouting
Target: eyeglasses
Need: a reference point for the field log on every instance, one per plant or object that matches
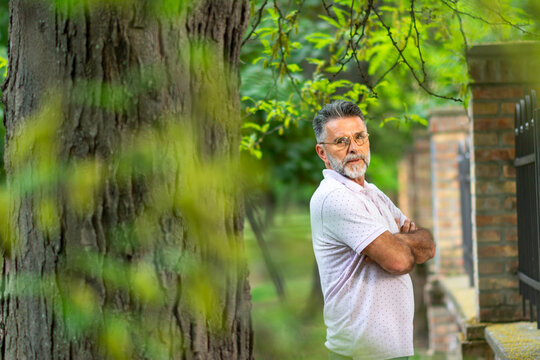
(344, 141)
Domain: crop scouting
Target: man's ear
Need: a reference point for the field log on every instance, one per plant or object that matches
(321, 151)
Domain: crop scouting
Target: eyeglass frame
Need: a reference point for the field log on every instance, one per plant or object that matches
(349, 141)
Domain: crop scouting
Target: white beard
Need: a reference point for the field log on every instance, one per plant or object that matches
(352, 171)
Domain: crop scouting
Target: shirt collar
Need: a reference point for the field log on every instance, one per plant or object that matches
(351, 185)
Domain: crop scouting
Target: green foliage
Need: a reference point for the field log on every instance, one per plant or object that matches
(397, 59)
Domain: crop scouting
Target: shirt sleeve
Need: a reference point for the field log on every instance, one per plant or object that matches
(346, 220)
(396, 212)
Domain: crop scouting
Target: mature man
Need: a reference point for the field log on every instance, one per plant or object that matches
(364, 246)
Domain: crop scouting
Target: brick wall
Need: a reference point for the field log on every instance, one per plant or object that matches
(449, 127)
(500, 76)
(414, 200)
(414, 175)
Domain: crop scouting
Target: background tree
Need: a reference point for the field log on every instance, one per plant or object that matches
(121, 218)
(397, 58)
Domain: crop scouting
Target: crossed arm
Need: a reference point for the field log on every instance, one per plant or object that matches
(398, 253)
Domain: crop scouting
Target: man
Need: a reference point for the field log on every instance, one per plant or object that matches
(364, 246)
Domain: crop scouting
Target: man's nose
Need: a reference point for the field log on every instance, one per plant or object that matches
(354, 148)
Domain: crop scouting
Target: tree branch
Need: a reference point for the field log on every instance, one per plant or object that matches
(481, 19)
(406, 62)
(413, 21)
(256, 24)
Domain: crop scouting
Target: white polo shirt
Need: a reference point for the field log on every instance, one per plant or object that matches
(368, 312)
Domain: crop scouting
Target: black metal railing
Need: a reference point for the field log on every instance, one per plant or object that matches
(527, 164)
(464, 156)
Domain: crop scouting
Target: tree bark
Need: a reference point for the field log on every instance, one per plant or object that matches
(75, 52)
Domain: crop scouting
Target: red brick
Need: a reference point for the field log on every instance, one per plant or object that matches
(448, 193)
(490, 268)
(497, 283)
(451, 233)
(502, 123)
(491, 299)
(488, 235)
(513, 298)
(488, 108)
(446, 185)
(501, 313)
(508, 138)
(495, 251)
(510, 203)
(446, 147)
(446, 156)
(449, 122)
(510, 187)
(508, 108)
(511, 266)
(446, 166)
(487, 170)
(421, 145)
(498, 92)
(496, 220)
(485, 187)
(486, 138)
(509, 171)
(494, 154)
(489, 203)
(446, 174)
(511, 235)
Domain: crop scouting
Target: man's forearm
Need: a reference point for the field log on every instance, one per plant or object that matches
(421, 243)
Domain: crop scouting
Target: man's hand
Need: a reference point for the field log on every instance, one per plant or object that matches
(419, 240)
(408, 226)
(397, 253)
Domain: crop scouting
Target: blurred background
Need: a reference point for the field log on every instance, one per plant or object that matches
(398, 61)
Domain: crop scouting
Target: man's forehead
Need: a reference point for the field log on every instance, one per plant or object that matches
(346, 124)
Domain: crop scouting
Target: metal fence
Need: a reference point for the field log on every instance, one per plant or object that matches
(464, 156)
(527, 135)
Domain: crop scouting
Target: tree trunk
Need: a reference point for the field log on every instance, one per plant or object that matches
(80, 281)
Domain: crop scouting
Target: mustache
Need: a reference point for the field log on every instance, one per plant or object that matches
(352, 157)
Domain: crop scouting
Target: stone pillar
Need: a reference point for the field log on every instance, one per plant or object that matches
(449, 127)
(501, 74)
(414, 200)
(414, 173)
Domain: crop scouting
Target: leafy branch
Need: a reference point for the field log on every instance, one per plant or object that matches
(421, 83)
(388, 46)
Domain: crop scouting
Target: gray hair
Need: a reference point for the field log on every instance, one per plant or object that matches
(334, 110)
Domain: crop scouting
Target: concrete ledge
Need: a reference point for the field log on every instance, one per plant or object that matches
(460, 301)
(462, 304)
(517, 341)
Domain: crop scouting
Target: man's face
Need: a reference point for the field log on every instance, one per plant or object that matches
(352, 160)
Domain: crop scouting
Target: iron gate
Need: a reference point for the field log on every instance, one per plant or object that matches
(528, 202)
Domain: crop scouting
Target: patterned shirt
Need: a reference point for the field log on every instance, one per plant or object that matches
(368, 311)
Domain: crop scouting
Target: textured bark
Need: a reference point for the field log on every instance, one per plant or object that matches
(53, 49)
